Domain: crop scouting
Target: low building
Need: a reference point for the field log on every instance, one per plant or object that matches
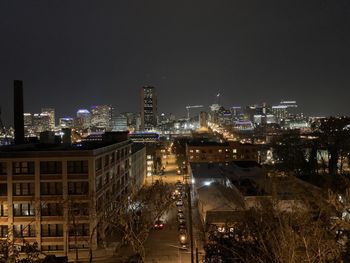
(56, 194)
(203, 151)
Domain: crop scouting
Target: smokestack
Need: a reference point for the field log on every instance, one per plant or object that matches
(18, 111)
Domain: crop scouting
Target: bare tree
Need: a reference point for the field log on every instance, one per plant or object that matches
(135, 215)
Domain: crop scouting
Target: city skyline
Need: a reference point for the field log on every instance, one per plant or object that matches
(249, 52)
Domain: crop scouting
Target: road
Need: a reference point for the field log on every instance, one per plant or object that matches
(163, 245)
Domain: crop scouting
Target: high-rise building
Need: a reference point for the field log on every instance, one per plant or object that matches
(121, 123)
(285, 109)
(28, 120)
(66, 122)
(114, 116)
(84, 117)
(51, 113)
(203, 119)
(148, 108)
(101, 117)
(41, 122)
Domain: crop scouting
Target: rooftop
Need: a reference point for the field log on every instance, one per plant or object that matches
(60, 149)
(232, 170)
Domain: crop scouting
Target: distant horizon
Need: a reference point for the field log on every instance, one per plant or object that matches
(248, 51)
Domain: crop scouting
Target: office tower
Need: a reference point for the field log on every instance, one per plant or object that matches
(114, 116)
(285, 110)
(101, 117)
(28, 123)
(41, 122)
(51, 113)
(121, 123)
(203, 119)
(148, 108)
(66, 122)
(84, 118)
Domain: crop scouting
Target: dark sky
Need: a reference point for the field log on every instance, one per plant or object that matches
(73, 54)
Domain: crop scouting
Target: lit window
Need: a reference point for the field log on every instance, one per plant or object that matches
(234, 150)
(191, 151)
(220, 151)
(197, 151)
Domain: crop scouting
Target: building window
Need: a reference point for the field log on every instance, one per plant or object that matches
(24, 230)
(3, 189)
(51, 188)
(112, 158)
(3, 170)
(52, 230)
(79, 230)
(98, 164)
(77, 167)
(23, 168)
(106, 161)
(191, 151)
(220, 150)
(80, 209)
(23, 189)
(51, 167)
(78, 188)
(234, 150)
(197, 151)
(52, 248)
(51, 209)
(24, 209)
(3, 231)
(3, 209)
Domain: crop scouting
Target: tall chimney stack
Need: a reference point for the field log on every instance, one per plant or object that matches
(18, 111)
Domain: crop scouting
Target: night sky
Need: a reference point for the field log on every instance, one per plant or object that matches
(73, 54)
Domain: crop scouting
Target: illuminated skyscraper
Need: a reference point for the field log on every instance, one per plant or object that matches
(51, 113)
(66, 122)
(101, 116)
(148, 108)
(41, 122)
(84, 118)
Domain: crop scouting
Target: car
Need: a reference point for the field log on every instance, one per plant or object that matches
(159, 224)
(179, 202)
(183, 240)
(180, 216)
(182, 221)
(182, 226)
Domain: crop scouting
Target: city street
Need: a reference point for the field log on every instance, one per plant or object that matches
(163, 245)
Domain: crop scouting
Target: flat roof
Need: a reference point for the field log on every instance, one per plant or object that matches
(235, 169)
(56, 150)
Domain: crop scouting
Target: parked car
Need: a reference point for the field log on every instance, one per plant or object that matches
(182, 226)
(183, 239)
(180, 216)
(179, 202)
